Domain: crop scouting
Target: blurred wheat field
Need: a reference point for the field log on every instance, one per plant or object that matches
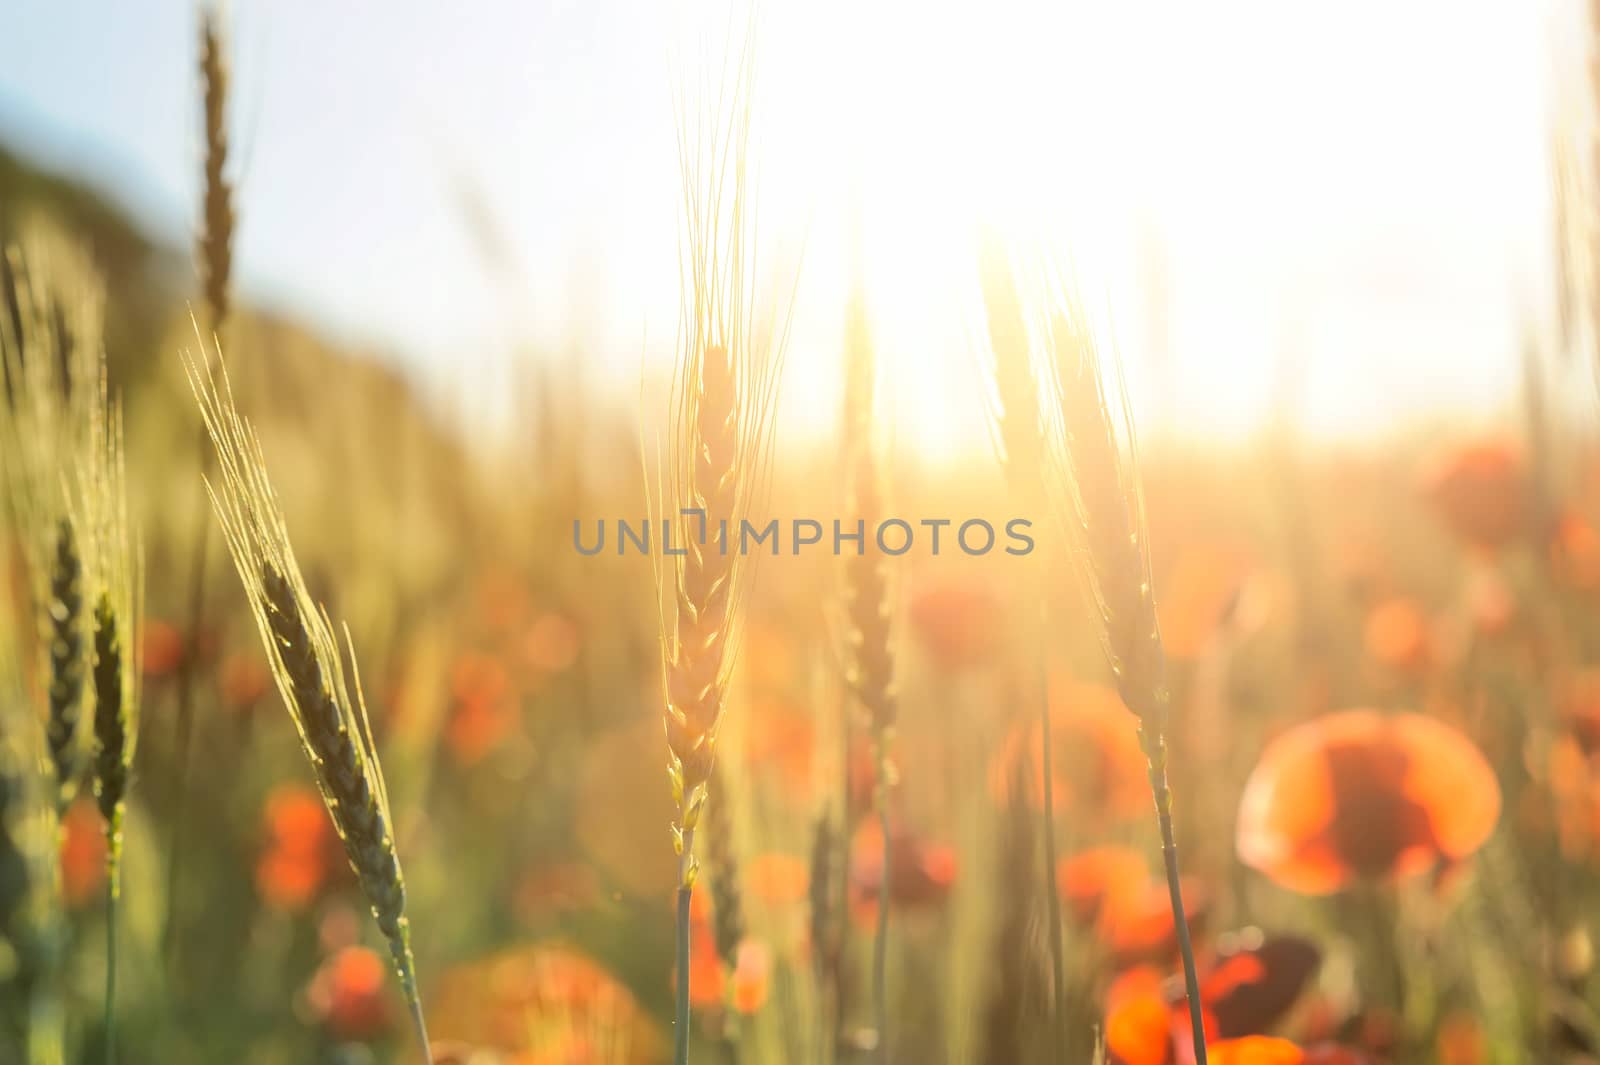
(662, 723)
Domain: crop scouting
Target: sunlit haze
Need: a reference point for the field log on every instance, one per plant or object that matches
(1344, 207)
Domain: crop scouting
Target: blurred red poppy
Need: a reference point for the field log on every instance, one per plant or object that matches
(539, 1004)
(557, 888)
(1198, 595)
(1091, 879)
(83, 853)
(1098, 768)
(1398, 636)
(1480, 489)
(299, 851)
(1364, 795)
(707, 979)
(1137, 925)
(781, 740)
(777, 879)
(1461, 1041)
(551, 644)
(243, 679)
(752, 976)
(1579, 706)
(1248, 988)
(348, 994)
(161, 648)
(1575, 552)
(1244, 992)
(959, 624)
(920, 873)
(483, 709)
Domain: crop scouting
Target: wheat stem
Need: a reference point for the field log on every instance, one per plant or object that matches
(112, 875)
(1058, 968)
(214, 253)
(880, 936)
(680, 1016)
(1104, 513)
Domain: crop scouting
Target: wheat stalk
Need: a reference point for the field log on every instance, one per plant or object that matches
(719, 440)
(50, 350)
(821, 921)
(868, 617)
(1016, 422)
(214, 261)
(1101, 507)
(114, 574)
(31, 918)
(328, 712)
(50, 353)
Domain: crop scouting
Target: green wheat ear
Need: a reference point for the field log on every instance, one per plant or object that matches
(305, 655)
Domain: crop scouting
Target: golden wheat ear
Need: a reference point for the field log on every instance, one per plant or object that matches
(1017, 424)
(1102, 509)
(716, 462)
(306, 659)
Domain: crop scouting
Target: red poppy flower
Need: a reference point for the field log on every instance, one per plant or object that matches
(1480, 489)
(1580, 710)
(348, 994)
(1137, 926)
(83, 853)
(1093, 879)
(536, 1004)
(960, 625)
(920, 873)
(550, 889)
(707, 977)
(300, 848)
(1575, 552)
(1399, 637)
(781, 738)
(161, 647)
(243, 679)
(1364, 795)
(551, 644)
(1098, 768)
(1461, 1041)
(752, 976)
(1197, 597)
(1249, 988)
(777, 879)
(1244, 991)
(483, 710)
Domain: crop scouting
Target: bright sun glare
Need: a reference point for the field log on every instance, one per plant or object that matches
(1230, 231)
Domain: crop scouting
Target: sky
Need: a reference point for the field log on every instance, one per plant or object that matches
(1359, 190)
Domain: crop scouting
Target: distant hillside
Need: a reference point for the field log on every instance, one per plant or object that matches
(140, 276)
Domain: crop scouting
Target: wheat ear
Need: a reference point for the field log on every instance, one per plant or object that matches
(304, 653)
(1103, 512)
(66, 629)
(868, 616)
(215, 244)
(115, 579)
(720, 436)
(1019, 435)
(50, 349)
